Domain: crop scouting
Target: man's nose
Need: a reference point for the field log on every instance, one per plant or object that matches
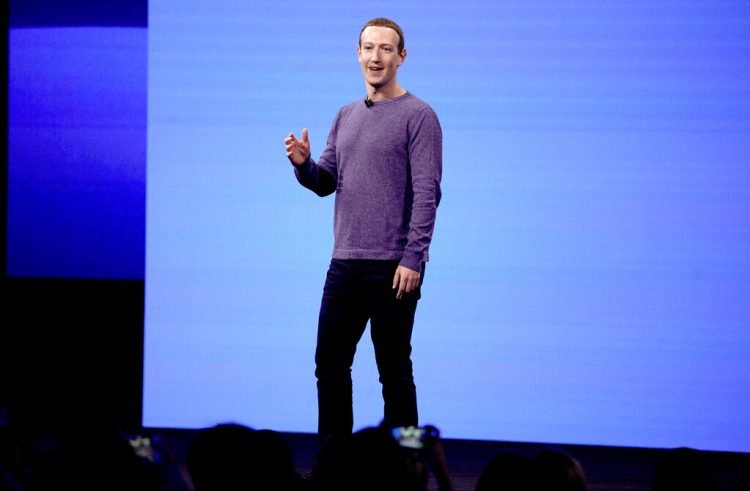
(375, 55)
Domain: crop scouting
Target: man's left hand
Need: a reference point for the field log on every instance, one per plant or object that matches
(405, 280)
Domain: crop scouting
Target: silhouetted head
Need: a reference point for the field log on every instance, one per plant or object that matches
(90, 458)
(506, 471)
(379, 462)
(554, 470)
(233, 457)
(371, 460)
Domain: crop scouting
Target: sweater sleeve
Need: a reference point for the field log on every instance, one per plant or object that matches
(321, 177)
(426, 165)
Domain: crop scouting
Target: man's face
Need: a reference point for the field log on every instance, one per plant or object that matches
(378, 55)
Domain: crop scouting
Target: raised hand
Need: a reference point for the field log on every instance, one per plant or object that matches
(298, 151)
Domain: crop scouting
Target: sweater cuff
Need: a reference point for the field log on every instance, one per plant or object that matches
(302, 171)
(306, 163)
(412, 261)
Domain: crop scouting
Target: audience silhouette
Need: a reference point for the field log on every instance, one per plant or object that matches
(555, 470)
(86, 458)
(234, 457)
(548, 470)
(507, 471)
(383, 458)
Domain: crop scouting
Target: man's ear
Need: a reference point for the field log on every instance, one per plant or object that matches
(403, 56)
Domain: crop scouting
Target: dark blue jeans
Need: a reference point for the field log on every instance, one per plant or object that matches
(357, 291)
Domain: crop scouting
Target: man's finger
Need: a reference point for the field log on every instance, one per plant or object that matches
(305, 137)
(411, 285)
(400, 293)
(403, 286)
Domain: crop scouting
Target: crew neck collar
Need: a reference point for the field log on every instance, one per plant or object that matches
(393, 99)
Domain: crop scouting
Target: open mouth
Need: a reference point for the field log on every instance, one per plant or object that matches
(375, 69)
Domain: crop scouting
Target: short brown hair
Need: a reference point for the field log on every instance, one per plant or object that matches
(383, 22)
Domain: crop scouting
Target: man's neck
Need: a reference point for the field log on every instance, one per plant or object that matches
(384, 93)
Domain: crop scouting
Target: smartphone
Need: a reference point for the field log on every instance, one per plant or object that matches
(143, 447)
(414, 437)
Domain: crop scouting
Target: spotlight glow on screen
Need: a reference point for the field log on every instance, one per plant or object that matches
(590, 271)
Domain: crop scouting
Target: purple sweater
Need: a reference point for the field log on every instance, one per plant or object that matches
(385, 164)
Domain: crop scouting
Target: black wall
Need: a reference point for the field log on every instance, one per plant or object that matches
(72, 351)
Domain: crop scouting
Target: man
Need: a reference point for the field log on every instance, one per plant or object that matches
(384, 161)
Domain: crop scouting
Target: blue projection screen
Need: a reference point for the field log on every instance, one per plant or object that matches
(590, 272)
(76, 149)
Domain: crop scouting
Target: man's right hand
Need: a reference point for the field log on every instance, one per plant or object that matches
(298, 151)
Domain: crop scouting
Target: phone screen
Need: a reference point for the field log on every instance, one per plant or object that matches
(409, 436)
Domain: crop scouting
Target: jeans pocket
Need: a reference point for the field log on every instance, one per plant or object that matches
(336, 279)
